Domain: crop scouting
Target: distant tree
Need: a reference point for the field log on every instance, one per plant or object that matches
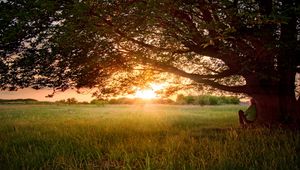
(203, 100)
(21, 101)
(99, 102)
(84, 102)
(71, 101)
(113, 101)
(190, 100)
(248, 47)
(180, 99)
(63, 101)
(163, 101)
(213, 100)
(207, 100)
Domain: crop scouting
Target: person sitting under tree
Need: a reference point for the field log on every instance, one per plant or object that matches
(249, 115)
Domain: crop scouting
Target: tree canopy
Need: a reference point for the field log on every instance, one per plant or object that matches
(240, 46)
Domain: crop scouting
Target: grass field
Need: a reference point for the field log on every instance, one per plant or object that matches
(139, 137)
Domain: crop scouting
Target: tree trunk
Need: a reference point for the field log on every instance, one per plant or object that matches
(273, 83)
(287, 65)
(297, 116)
(287, 100)
(276, 104)
(268, 110)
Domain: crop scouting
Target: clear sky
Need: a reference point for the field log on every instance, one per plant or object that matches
(41, 95)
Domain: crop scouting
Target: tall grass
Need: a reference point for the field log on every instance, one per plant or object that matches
(139, 137)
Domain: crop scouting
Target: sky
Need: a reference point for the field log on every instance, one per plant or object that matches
(84, 96)
(41, 95)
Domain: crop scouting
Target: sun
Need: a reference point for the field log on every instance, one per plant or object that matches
(146, 94)
(149, 93)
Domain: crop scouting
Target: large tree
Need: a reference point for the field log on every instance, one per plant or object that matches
(249, 47)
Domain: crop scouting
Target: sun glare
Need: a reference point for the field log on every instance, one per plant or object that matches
(146, 94)
(149, 93)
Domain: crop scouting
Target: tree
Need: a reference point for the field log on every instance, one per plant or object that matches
(71, 101)
(249, 47)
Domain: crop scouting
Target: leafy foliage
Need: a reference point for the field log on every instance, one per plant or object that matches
(206, 100)
(61, 44)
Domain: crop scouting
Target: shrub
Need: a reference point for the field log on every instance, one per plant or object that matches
(234, 100)
(214, 100)
(99, 102)
(71, 100)
(203, 100)
(207, 100)
(190, 99)
(180, 99)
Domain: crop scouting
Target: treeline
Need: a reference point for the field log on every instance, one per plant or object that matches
(180, 100)
(22, 101)
(207, 100)
(70, 101)
(133, 101)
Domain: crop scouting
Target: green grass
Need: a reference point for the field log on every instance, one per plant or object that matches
(139, 137)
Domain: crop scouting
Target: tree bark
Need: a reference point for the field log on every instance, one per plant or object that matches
(267, 109)
(287, 64)
(276, 103)
(269, 112)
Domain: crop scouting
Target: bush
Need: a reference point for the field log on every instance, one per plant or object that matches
(234, 100)
(202, 100)
(206, 100)
(139, 101)
(19, 101)
(214, 100)
(190, 99)
(163, 101)
(72, 101)
(180, 99)
(113, 101)
(98, 102)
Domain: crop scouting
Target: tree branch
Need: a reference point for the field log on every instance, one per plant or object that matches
(141, 43)
(205, 79)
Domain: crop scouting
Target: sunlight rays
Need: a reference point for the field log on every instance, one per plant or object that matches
(149, 93)
(146, 94)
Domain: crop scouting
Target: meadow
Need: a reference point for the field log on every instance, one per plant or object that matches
(139, 137)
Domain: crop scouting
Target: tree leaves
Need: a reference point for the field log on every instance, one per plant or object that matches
(63, 44)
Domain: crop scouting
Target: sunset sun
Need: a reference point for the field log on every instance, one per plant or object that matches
(146, 94)
(149, 93)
